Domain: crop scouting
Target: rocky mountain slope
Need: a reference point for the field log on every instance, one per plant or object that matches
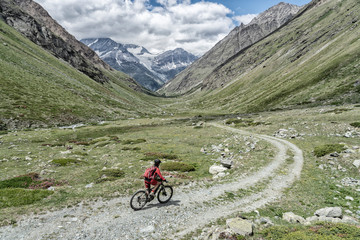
(311, 60)
(35, 23)
(38, 88)
(150, 70)
(239, 38)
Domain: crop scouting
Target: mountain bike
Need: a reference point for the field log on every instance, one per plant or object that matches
(141, 197)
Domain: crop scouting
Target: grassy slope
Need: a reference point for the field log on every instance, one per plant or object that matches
(315, 58)
(37, 88)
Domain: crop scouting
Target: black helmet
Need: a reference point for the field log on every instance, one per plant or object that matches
(157, 162)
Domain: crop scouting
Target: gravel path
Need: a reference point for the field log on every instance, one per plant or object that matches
(187, 211)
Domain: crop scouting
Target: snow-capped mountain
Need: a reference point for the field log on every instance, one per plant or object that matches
(150, 70)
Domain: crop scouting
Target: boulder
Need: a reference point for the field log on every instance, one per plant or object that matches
(356, 163)
(349, 220)
(293, 218)
(332, 212)
(240, 226)
(215, 169)
(227, 163)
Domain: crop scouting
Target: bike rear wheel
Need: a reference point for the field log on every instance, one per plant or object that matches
(138, 200)
(165, 193)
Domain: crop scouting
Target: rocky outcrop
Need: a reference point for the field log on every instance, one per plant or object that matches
(29, 18)
(239, 38)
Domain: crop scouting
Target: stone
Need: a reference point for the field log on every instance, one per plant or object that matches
(221, 174)
(349, 220)
(332, 212)
(227, 163)
(51, 189)
(310, 220)
(334, 154)
(356, 163)
(27, 158)
(349, 198)
(148, 229)
(348, 134)
(90, 185)
(240, 226)
(293, 218)
(215, 169)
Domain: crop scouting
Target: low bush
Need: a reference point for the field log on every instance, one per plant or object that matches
(16, 182)
(244, 122)
(322, 150)
(29, 181)
(355, 124)
(159, 155)
(65, 161)
(131, 149)
(110, 175)
(130, 141)
(177, 166)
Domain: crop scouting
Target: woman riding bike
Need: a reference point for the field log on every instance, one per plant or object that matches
(151, 177)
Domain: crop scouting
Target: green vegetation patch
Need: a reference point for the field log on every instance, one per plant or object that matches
(338, 110)
(244, 122)
(65, 161)
(30, 181)
(131, 149)
(322, 150)
(355, 124)
(329, 231)
(13, 197)
(178, 166)
(130, 141)
(110, 175)
(16, 182)
(159, 155)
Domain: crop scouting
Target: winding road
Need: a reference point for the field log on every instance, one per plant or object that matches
(188, 210)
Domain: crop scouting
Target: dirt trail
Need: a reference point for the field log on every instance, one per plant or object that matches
(186, 212)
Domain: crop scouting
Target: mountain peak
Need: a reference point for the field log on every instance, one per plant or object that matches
(238, 39)
(150, 70)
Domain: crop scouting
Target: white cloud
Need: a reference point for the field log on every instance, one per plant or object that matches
(173, 23)
(245, 19)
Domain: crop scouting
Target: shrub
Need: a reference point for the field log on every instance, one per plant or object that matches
(355, 124)
(137, 141)
(30, 181)
(110, 175)
(322, 150)
(65, 161)
(131, 149)
(177, 166)
(16, 182)
(155, 155)
(243, 122)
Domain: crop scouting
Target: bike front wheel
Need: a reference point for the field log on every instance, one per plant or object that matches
(138, 200)
(165, 194)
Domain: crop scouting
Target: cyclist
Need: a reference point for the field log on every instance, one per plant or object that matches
(152, 175)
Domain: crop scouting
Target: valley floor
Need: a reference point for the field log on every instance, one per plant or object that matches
(190, 208)
(284, 161)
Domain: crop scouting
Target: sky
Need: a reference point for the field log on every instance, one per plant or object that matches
(158, 25)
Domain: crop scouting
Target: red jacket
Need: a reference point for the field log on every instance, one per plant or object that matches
(157, 172)
(150, 171)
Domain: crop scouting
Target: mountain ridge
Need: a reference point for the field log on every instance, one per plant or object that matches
(149, 70)
(309, 61)
(239, 38)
